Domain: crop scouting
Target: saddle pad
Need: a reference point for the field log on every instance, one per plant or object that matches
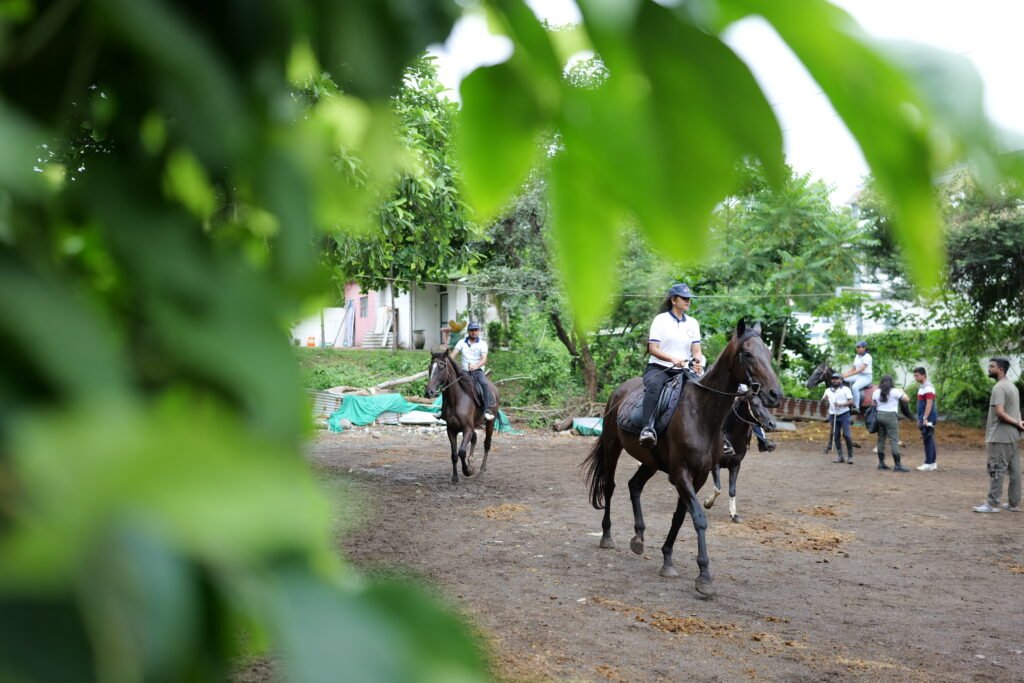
(631, 410)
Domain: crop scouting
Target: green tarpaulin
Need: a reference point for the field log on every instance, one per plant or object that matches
(363, 410)
(588, 426)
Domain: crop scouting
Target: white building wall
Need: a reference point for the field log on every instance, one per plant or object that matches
(306, 332)
(427, 313)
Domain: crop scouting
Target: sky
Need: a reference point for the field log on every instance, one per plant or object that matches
(986, 32)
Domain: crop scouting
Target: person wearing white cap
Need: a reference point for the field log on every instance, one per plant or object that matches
(860, 374)
(474, 357)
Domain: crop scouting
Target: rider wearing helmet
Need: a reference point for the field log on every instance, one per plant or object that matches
(674, 341)
(860, 374)
(474, 356)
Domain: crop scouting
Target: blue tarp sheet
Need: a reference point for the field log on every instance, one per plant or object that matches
(363, 410)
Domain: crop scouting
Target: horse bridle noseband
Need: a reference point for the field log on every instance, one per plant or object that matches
(756, 422)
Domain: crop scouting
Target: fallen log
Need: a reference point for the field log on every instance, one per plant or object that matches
(396, 382)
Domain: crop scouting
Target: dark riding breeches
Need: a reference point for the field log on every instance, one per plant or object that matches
(481, 379)
(655, 378)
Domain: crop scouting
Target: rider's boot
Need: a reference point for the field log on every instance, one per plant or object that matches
(766, 446)
(648, 437)
(727, 448)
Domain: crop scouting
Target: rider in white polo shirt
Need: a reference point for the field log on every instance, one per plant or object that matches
(860, 374)
(673, 341)
(474, 356)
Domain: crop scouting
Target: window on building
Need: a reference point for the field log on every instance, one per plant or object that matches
(364, 305)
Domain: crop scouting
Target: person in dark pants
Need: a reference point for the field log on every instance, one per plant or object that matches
(927, 416)
(474, 357)
(673, 342)
(840, 398)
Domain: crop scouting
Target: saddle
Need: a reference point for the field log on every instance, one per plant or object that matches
(631, 410)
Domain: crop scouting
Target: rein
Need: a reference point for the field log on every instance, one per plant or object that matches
(753, 388)
(755, 423)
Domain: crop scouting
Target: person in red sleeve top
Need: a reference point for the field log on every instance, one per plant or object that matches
(927, 414)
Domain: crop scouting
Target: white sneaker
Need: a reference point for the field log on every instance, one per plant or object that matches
(934, 466)
(1011, 508)
(488, 416)
(925, 467)
(985, 507)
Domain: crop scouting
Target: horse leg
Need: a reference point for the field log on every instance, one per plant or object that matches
(734, 473)
(472, 448)
(700, 525)
(667, 568)
(716, 475)
(452, 439)
(488, 431)
(636, 487)
(611, 461)
(462, 450)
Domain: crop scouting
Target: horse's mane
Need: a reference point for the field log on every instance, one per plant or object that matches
(465, 380)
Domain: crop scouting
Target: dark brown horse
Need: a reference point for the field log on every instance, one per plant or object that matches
(689, 449)
(739, 427)
(459, 410)
(823, 372)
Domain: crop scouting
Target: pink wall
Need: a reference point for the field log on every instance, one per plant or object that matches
(363, 325)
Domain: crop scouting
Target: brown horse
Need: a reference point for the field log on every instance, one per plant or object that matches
(689, 449)
(459, 410)
(739, 427)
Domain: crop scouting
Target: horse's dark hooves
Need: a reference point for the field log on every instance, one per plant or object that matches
(669, 572)
(455, 480)
(637, 545)
(606, 542)
(736, 518)
(704, 587)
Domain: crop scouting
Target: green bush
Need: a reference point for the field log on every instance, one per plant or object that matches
(962, 393)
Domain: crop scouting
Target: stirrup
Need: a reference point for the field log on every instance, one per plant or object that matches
(727, 448)
(648, 437)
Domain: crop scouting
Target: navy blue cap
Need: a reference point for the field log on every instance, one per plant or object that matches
(473, 326)
(860, 344)
(681, 289)
(836, 375)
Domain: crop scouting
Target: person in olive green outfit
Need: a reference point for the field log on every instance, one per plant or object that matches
(1002, 432)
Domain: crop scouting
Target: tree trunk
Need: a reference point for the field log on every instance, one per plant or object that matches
(780, 343)
(580, 350)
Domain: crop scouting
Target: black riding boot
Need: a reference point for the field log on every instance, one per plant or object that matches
(648, 437)
(897, 467)
(727, 448)
(881, 462)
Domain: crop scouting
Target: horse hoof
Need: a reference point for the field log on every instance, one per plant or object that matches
(705, 588)
(454, 481)
(483, 469)
(736, 518)
(467, 472)
(637, 545)
(708, 502)
(669, 572)
(606, 542)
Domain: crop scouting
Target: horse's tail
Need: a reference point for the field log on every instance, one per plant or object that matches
(596, 467)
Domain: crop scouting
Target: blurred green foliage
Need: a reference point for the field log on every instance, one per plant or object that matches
(169, 177)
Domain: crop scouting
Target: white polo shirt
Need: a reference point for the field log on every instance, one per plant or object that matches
(840, 395)
(676, 336)
(893, 404)
(864, 360)
(472, 352)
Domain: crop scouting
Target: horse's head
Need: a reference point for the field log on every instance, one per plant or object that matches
(437, 373)
(819, 375)
(755, 364)
(757, 412)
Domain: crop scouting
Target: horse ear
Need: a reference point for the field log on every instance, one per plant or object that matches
(757, 327)
(741, 327)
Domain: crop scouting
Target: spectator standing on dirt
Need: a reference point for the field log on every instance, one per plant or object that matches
(888, 400)
(840, 398)
(927, 416)
(860, 374)
(1002, 432)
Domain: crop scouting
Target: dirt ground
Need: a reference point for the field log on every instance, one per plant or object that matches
(836, 572)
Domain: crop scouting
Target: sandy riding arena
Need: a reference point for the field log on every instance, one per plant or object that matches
(836, 572)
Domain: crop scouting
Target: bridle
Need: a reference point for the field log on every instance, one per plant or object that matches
(433, 368)
(756, 422)
(753, 387)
